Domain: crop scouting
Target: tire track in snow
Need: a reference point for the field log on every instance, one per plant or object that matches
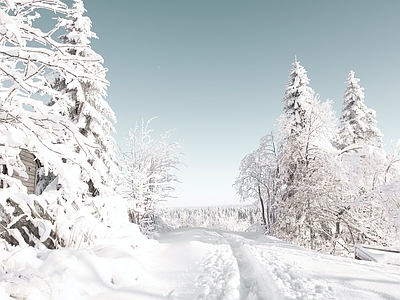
(293, 281)
(267, 273)
(238, 268)
(256, 283)
(221, 279)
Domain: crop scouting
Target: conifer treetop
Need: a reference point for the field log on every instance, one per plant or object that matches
(357, 122)
(298, 96)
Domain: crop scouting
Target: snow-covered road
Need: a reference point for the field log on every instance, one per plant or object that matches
(193, 263)
(211, 264)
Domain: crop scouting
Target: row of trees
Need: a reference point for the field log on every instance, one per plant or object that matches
(234, 218)
(52, 104)
(321, 183)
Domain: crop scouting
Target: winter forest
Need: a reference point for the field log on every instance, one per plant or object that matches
(65, 184)
(324, 184)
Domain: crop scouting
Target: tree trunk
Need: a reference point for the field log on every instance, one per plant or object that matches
(262, 206)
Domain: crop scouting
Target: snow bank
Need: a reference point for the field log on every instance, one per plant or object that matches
(110, 264)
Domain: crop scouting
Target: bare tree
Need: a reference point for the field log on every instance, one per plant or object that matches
(150, 167)
(257, 179)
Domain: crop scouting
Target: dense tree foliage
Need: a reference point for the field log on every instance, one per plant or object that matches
(86, 106)
(36, 116)
(333, 184)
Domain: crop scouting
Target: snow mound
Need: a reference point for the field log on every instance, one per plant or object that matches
(109, 265)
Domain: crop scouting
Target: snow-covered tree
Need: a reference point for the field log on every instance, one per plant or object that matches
(235, 218)
(87, 107)
(257, 179)
(28, 58)
(306, 130)
(298, 101)
(24, 63)
(367, 168)
(379, 210)
(357, 122)
(298, 98)
(333, 188)
(368, 187)
(150, 173)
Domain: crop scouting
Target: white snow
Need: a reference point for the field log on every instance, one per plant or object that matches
(191, 263)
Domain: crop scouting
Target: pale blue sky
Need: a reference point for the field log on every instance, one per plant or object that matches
(217, 70)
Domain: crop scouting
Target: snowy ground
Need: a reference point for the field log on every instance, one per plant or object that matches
(193, 263)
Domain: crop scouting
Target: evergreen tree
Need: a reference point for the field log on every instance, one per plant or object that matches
(357, 122)
(28, 58)
(305, 133)
(27, 55)
(87, 107)
(298, 98)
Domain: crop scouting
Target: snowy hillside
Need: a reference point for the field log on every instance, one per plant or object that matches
(192, 263)
(235, 218)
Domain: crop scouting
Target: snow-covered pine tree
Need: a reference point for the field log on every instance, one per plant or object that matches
(365, 166)
(298, 98)
(87, 106)
(28, 56)
(357, 122)
(298, 101)
(305, 133)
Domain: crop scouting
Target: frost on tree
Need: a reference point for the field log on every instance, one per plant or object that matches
(328, 196)
(87, 107)
(28, 58)
(298, 97)
(357, 122)
(299, 100)
(375, 205)
(257, 180)
(367, 168)
(305, 134)
(234, 218)
(149, 167)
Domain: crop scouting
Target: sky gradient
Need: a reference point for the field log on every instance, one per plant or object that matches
(216, 71)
